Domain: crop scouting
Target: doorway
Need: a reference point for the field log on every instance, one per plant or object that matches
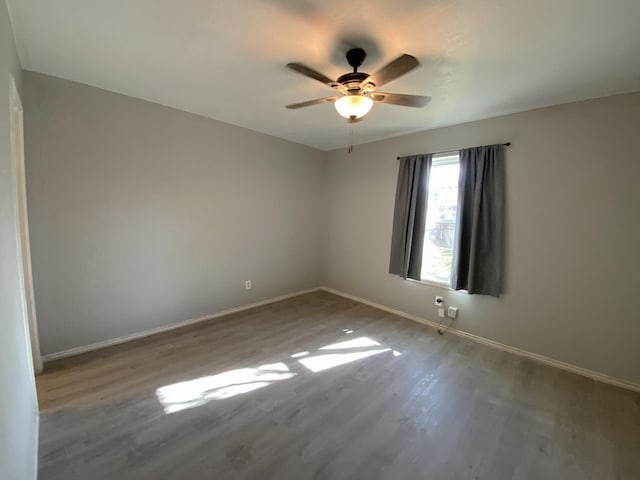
(17, 150)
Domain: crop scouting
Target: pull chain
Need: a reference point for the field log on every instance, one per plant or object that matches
(350, 149)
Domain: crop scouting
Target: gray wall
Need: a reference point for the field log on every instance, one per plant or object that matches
(573, 232)
(18, 404)
(142, 215)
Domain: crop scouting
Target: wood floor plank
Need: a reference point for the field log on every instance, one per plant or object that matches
(321, 387)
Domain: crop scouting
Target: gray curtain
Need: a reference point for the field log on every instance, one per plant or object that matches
(409, 216)
(478, 254)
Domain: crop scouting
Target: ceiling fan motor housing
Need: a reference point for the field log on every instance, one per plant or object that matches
(352, 80)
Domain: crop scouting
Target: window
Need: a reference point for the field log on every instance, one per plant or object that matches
(442, 212)
(431, 227)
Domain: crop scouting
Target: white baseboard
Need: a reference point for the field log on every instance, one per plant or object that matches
(601, 377)
(134, 336)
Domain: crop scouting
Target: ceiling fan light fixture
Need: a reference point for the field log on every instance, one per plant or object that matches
(353, 106)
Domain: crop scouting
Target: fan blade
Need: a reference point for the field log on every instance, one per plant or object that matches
(392, 70)
(313, 102)
(311, 73)
(417, 101)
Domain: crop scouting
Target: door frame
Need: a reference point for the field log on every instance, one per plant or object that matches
(22, 219)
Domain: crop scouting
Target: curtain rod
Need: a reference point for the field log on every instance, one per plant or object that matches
(508, 144)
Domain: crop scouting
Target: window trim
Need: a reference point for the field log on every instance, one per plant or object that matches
(446, 158)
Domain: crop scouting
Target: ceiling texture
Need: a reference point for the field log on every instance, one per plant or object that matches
(225, 59)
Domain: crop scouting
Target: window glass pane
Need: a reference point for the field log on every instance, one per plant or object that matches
(442, 210)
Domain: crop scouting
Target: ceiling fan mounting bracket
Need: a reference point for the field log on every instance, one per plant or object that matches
(355, 57)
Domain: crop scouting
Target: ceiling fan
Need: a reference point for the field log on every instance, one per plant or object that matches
(357, 90)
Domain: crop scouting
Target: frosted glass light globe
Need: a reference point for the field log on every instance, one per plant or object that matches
(353, 106)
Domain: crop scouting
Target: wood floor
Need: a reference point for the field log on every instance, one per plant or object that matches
(321, 387)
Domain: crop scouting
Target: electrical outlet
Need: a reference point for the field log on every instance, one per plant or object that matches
(452, 312)
(439, 301)
(247, 285)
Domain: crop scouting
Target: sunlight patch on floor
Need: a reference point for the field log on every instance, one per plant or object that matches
(320, 363)
(200, 391)
(299, 354)
(193, 393)
(325, 361)
(355, 343)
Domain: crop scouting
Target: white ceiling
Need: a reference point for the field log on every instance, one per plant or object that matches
(225, 59)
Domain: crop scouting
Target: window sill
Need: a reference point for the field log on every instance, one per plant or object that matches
(432, 283)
